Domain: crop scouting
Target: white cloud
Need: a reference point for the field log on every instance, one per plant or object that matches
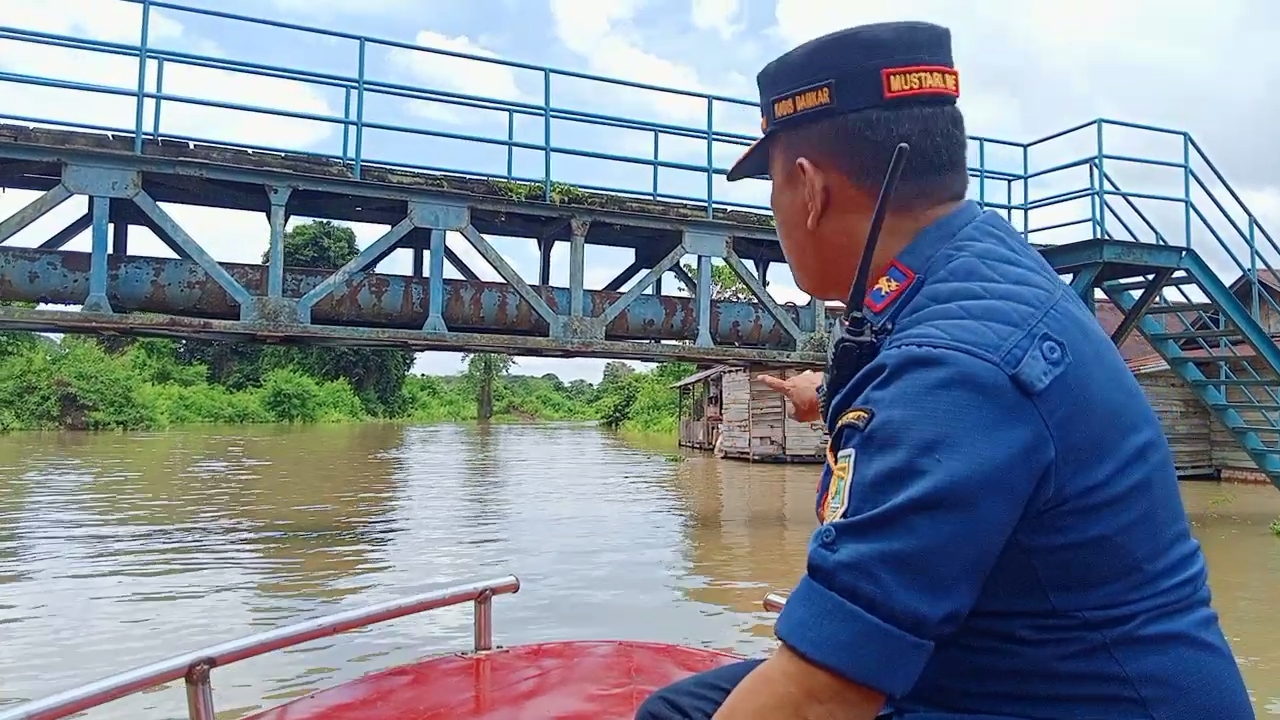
(114, 21)
(606, 37)
(1033, 68)
(461, 75)
(603, 35)
(719, 15)
(343, 7)
(1265, 201)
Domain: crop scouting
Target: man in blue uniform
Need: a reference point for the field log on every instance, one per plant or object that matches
(1001, 532)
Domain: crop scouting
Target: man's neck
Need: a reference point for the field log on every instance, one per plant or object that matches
(899, 230)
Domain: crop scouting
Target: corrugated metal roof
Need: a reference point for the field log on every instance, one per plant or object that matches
(701, 375)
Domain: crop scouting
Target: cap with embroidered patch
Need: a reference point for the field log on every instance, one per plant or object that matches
(884, 65)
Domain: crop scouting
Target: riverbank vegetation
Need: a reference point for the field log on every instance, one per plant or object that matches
(131, 383)
(82, 383)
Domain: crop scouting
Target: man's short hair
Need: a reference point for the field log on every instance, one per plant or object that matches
(859, 146)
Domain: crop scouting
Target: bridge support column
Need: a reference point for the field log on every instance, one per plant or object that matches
(279, 215)
(435, 286)
(545, 246)
(103, 185)
(762, 271)
(577, 265)
(97, 301)
(703, 294)
(119, 237)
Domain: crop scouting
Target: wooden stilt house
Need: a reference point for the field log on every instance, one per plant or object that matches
(700, 408)
(727, 409)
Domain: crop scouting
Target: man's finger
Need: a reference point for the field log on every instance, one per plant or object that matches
(774, 383)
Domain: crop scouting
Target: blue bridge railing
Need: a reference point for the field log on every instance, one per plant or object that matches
(366, 101)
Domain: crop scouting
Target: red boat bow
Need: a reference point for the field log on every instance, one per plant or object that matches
(585, 680)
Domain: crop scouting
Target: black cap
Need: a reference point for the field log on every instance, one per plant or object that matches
(870, 66)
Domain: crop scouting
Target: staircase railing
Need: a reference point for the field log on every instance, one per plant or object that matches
(1223, 230)
(1198, 317)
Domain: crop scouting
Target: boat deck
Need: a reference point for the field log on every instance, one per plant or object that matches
(583, 680)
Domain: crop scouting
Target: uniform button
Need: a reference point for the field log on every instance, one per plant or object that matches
(828, 534)
(1051, 351)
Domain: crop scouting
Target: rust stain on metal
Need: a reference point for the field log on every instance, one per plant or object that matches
(371, 301)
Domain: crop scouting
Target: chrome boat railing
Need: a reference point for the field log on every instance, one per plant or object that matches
(194, 667)
(773, 602)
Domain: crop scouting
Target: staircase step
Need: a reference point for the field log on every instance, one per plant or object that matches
(1142, 284)
(1185, 308)
(1257, 428)
(1197, 335)
(1251, 413)
(1237, 382)
(1260, 407)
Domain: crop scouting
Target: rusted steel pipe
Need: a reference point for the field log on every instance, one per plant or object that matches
(181, 287)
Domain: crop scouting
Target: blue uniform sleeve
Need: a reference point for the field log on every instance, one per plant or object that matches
(947, 456)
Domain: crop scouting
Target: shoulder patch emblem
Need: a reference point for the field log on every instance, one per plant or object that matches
(857, 418)
(896, 279)
(836, 500)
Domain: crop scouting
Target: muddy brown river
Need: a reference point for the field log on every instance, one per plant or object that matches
(116, 550)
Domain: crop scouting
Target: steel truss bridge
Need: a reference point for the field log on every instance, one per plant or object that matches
(1131, 215)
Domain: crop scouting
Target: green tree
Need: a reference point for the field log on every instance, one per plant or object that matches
(725, 283)
(13, 342)
(615, 372)
(484, 370)
(321, 244)
(376, 375)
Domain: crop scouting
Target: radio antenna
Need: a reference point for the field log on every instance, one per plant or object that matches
(855, 346)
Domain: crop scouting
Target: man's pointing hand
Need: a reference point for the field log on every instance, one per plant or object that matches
(802, 391)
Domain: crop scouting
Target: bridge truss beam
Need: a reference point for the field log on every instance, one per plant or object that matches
(196, 295)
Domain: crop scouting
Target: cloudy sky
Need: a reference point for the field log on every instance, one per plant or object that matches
(1028, 69)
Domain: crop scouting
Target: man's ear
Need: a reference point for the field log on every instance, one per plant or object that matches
(817, 193)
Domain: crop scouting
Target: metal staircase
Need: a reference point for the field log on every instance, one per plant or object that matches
(1211, 332)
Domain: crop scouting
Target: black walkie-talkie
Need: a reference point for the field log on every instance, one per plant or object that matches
(856, 346)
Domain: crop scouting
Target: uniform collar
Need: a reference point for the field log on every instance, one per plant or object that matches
(906, 271)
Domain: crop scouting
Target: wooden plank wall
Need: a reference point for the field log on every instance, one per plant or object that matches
(1268, 317)
(1227, 453)
(735, 423)
(1184, 418)
(768, 420)
(1226, 450)
(803, 439)
(1201, 443)
(757, 423)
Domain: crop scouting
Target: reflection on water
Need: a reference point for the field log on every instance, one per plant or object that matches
(118, 549)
